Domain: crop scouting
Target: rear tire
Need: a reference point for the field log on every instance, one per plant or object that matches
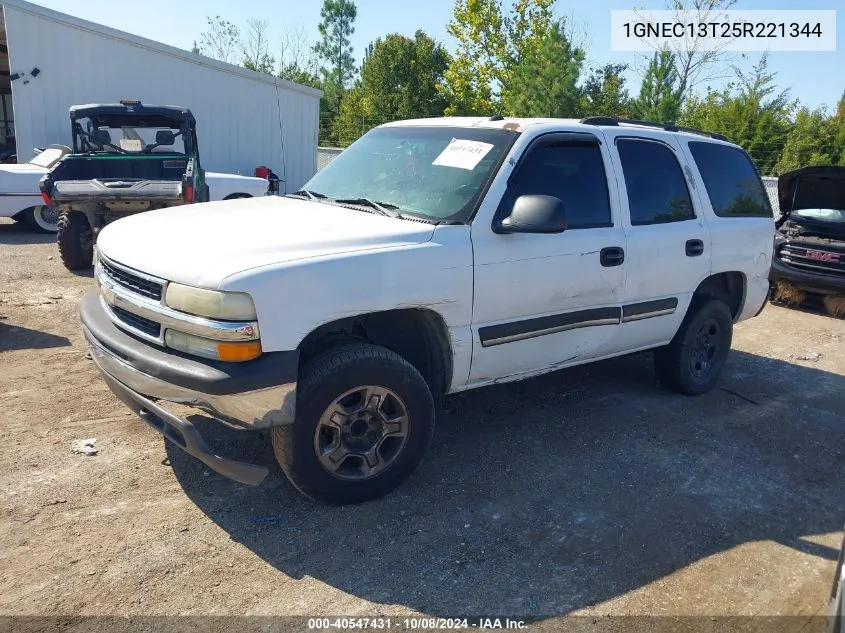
(75, 241)
(692, 363)
(43, 218)
(364, 419)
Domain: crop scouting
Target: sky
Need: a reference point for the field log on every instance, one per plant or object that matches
(815, 78)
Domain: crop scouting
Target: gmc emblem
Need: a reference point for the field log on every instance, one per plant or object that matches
(821, 256)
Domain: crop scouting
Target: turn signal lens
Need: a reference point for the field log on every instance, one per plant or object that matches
(239, 352)
(214, 350)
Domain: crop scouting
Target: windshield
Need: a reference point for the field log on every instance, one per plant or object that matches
(437, 173)
(130, 139)
(822, 215)
(47, 158)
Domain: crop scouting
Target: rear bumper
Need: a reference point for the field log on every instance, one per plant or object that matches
(813, 282)
(257, 394)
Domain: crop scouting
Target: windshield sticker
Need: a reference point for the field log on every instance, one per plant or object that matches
(462, 154)
(131, 144)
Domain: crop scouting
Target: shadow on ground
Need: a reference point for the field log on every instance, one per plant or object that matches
(13, 337)
(563, 491)
(20, 233)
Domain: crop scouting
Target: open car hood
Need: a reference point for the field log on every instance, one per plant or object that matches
(819, 187)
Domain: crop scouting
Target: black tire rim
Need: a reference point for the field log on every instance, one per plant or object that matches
(706, 348)
(362, 433)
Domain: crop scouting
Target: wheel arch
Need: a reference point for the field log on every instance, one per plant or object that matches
(419, 335)
(729, 287)
(235, 196)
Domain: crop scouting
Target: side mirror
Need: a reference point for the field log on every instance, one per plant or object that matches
(535, 214)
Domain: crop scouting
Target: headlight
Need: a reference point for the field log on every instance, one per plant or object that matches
(215, 350)
(228, 306)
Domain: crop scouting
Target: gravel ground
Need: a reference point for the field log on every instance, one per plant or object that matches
(589, 491)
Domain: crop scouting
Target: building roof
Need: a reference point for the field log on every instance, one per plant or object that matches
(158, 47)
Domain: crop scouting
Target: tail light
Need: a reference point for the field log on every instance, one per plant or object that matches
(46, 198)
(189, 193)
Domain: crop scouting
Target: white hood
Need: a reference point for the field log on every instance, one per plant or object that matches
(202, 244)
(20, 178)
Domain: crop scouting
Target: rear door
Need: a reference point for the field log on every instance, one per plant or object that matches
(668, 238)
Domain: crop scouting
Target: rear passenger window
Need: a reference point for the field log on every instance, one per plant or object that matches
(732, 182)
(572, 172)
(657, 190)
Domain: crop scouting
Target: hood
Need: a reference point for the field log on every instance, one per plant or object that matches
(819, 187)
(233, 177)
(202, 244)
(20, 178)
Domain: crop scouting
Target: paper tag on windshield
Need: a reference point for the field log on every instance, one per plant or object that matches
(131, 144)
(462, 154)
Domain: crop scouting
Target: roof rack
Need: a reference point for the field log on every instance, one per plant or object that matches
(669, 127)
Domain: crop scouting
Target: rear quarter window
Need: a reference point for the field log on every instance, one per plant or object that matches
(732, 182)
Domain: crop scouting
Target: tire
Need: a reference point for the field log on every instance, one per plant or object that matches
(692, 363)
(43, 218)
(75, 240)
(355, 370)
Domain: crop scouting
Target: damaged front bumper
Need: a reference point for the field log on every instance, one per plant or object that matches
(257, 394)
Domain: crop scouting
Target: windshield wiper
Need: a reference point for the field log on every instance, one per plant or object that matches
(384, 208)
(312, 195)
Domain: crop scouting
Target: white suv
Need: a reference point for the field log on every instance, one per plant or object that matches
(430, 257)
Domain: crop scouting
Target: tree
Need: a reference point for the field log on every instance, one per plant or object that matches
(751, 112)
(695, 61)
(543, 82)
(399, 80)
(605, 93)
(255, 47)
(336, 27)
(221, 41)
(491, 44)
(837, 125)
(297, 61)
(660, 96)
(808, 142)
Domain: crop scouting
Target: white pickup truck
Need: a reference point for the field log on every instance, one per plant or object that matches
(430, 257)
(20, 198)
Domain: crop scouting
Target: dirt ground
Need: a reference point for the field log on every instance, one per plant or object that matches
(588, 491)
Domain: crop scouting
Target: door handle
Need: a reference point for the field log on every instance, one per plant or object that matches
(612, 256)
(694, 248)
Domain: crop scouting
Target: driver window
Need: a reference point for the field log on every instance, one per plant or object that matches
(572, 172)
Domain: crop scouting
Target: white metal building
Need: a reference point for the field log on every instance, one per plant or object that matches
(50, 61)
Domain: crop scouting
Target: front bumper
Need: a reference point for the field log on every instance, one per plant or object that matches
(820, 283)
(257, 394)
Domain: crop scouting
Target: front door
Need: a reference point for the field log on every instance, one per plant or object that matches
(544, 300)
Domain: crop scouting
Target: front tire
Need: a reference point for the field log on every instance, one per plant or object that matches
(75, 240)
(692, 363)
(365, 417)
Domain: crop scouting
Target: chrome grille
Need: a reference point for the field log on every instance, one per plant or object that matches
(807, 257)
(132, 281)
(151, 328)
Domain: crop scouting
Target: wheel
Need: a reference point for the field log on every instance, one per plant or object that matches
(364, 419)
(692, 363)
(75, 240)
(43, 218)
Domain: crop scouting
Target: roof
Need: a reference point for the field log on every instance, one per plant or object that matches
(139, 109)
(158, 47)
(519, 124)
